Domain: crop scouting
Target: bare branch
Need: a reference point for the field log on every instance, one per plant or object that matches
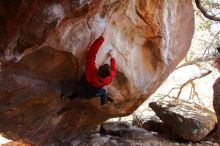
(190, 81)
(205, 13)
(193, 92)
(204, 57)
(196, 60)
(207, 48)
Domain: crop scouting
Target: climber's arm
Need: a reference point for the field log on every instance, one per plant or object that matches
(91, 55)
(91, 68)
(113, 67)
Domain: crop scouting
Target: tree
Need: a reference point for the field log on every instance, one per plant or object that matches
(209, 8)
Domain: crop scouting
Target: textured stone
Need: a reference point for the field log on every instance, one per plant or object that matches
(15, 143)
(186, 120)
(154, 124)
(124, 129)
(216, 105)
(43, 49)
(110, 140)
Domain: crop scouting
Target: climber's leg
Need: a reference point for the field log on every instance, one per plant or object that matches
(103, 97)
(80, 90)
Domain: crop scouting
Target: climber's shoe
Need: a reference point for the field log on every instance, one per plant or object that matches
(106, 100)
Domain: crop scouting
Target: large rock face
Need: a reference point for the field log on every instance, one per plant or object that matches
(43, 46)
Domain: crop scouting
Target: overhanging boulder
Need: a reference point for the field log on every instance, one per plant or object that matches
(43, 51)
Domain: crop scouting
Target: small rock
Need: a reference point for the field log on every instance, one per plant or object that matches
(215, 144)
(98, 141)
(75, 142)
(126, 130)
(95, 135)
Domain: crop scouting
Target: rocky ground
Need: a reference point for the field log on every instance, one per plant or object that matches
(97, 139)
(165, 130)
(123, 135)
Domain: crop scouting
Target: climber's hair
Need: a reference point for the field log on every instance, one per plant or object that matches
(104, 70)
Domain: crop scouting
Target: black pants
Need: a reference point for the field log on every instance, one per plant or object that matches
(102, 94)
(88, 91)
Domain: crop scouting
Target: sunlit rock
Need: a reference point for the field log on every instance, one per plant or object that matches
(186, 120)
(15, 143)
(43, 47)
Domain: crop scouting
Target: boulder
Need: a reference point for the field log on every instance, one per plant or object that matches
(216, 105)
(42, 54)
(186, 120)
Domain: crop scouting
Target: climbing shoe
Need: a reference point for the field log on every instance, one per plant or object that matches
(106, 100)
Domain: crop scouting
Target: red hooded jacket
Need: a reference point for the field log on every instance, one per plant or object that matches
(92, 72)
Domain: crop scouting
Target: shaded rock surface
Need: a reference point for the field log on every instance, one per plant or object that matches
(216, 105)
(43, 55)
(186, 120)
(154, 124)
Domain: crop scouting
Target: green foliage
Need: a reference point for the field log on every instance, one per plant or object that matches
(206, 24)
(211, 4)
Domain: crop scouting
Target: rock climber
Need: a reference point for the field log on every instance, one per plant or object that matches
(93, 80)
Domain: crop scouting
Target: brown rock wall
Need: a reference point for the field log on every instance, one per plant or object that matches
(46, 43)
